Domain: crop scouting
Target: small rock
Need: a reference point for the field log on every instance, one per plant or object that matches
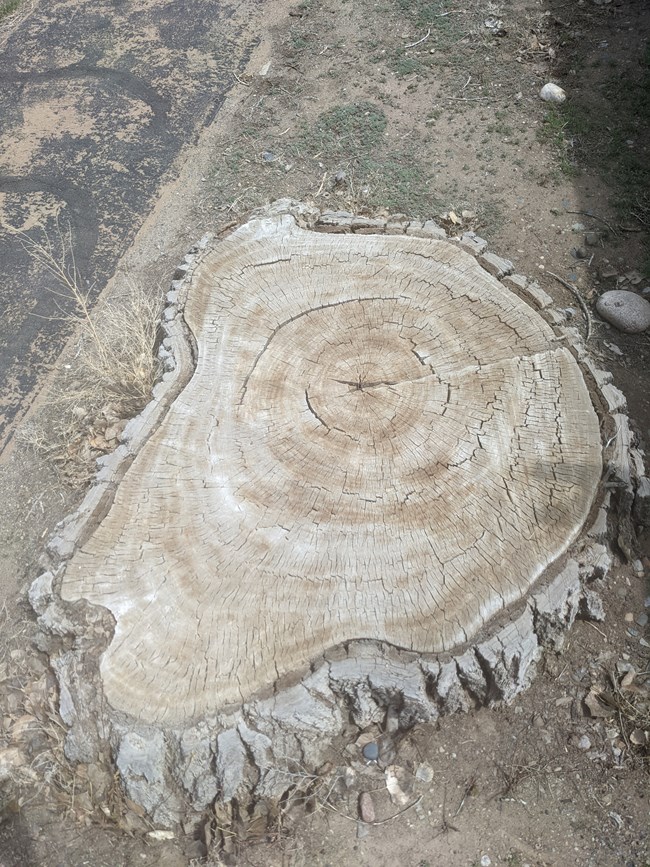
(629, 617)
(552, 93)
(485, 861)
(613, 348)
(579, 253)
(424, 773)
(633, 277)
(645, 292)
(584, 743)
(161, 836)
(371, 751)
(626, 311)
(592, 239)
(642, 620)
(268, 157)
(340, 178)
(366, 807)
(578, 228)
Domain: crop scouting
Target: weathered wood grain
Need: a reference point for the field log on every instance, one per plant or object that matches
(379, 441)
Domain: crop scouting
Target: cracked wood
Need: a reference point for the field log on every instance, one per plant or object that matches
(379, 441)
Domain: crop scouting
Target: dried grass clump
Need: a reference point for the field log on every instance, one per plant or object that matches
(114, 366)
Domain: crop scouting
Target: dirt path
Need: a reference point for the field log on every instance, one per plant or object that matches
(349, 115)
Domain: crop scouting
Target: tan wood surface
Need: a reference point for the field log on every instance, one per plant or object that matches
(379, 441)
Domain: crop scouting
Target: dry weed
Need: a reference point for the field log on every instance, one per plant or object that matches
(113, 368)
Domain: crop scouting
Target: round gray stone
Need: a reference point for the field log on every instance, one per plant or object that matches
(371, 751)
(626, 311)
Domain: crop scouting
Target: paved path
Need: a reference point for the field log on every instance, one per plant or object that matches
(96, 101)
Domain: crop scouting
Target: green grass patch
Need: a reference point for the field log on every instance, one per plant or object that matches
(346, 129)
(7, 7)
(423, 13)
(402, 65)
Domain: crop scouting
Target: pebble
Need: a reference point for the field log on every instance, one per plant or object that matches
(592, 239)
(584, 743)
(371, 752)
(629, 617)
(268, 157)
(366, 807)
(613, 348)
(578, 228)
(424, 773)
(579, 253)
(625, 310)
(552, 93)
(485, 861)
(642, 620)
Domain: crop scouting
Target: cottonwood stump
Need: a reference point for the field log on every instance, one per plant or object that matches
(380, 448)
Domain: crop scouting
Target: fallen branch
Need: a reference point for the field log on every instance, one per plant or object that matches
(594, 217)
(579, 299)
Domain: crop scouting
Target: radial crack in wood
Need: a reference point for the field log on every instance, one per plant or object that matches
(379, 441)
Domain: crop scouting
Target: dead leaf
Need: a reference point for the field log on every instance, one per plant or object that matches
(135, 808)
(397, 795)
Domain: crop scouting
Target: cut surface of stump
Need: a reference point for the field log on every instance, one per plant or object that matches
(379, 441)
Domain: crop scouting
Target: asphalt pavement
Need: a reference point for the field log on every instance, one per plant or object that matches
(97, 99)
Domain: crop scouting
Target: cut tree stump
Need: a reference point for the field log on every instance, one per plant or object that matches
(369, 483)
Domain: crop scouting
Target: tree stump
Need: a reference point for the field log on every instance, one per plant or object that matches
(370, 480)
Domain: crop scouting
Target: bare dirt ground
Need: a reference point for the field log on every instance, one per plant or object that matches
(348, 115)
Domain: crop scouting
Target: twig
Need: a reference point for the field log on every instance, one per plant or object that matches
(579, 299)
(600, 631)
(629, 228)
(466, 98)
(424, 38)
(468, 788)
(380, 821)
(322, 184)
(594, 217)
(240, 80)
